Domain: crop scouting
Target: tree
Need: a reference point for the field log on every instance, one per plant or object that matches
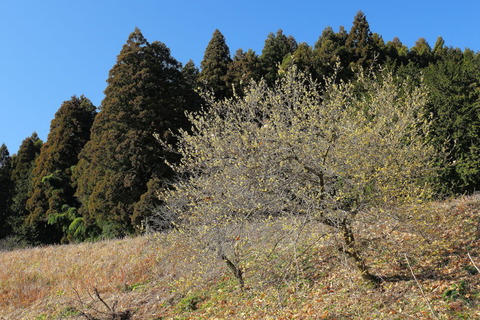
(439, 48)
(327, 154)
(22, 166)
(5, 189)
(244, 68)
(330, 50)
(53, 191)
(397, 52)
(276, 47)
(454, 102)
(215, 66)
(421, 53)
(302, 58)
(359, 42)
(144, 98)
(191, 73)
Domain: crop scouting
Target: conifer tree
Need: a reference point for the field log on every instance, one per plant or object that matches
(244, 68)
(276, 47)
(397, 52)
(439, 48)
(302, 58)
(215, 66)
(421, 53)
(144, 99)
(454, 96)
(330, 50)
(190, 74)
(359, 42)
(5, 189)
(52, 199)
(22, 166)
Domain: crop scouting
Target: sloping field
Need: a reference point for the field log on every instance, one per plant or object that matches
(428, 269)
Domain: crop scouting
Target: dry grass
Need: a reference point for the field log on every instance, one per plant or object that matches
(171, 277)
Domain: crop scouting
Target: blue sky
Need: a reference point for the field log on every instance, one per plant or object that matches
(53, 49)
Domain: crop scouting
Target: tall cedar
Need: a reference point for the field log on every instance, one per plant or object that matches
(22, 167)
(215, 66)
(330, 50)
(359, 42)
(143, 99)
(276, 48)
(52, 199)
(5, 189)
(190, 74)
(244, 68)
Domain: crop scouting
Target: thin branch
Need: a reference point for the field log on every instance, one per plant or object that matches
(111, 309)
(473, 262)
(420, 287)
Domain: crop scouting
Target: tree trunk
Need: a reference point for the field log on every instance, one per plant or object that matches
(351, 251)
(237, 271)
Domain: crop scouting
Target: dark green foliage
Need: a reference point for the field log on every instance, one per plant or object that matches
(5, 189)
(359, 43)
(277, 47)
(396, 53)
(190, 74)
(454, 83)
(144, 99)
(215, 66)
(439, 49)
(22, 167)
(190, 87)
(244, 68)
(51, 177)
(330, 50)
(421, 53)
(302, 58)
(148, 202)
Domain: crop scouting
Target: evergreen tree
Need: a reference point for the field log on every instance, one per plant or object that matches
(244, 68)
(454, 85)
(397, 52)
(5, 189)
(302, 58)
(439, 49)
(421, 53)
(276, 47)
(190, 74)
(144, 99)
(330, 50)
(52, 200)
(22, 167)
(215, 66)
(360, 42)
(379, 49)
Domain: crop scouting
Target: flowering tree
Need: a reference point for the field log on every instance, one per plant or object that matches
(296, 149)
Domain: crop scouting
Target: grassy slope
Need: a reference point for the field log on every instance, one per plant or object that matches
(165, 277)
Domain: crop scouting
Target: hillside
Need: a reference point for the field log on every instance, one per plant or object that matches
(166, 277)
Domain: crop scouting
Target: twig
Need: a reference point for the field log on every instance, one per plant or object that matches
(473, 262)
(110, 309)
(420, 287)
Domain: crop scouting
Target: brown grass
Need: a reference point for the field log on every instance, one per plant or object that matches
(171, 277)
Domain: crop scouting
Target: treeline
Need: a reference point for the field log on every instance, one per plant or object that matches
(100, 170)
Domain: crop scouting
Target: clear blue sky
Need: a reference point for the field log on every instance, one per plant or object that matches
(53, 49)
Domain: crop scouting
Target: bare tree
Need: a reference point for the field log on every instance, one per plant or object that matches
(297, 149)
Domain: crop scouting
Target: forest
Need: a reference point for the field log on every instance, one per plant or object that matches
(112, 170)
